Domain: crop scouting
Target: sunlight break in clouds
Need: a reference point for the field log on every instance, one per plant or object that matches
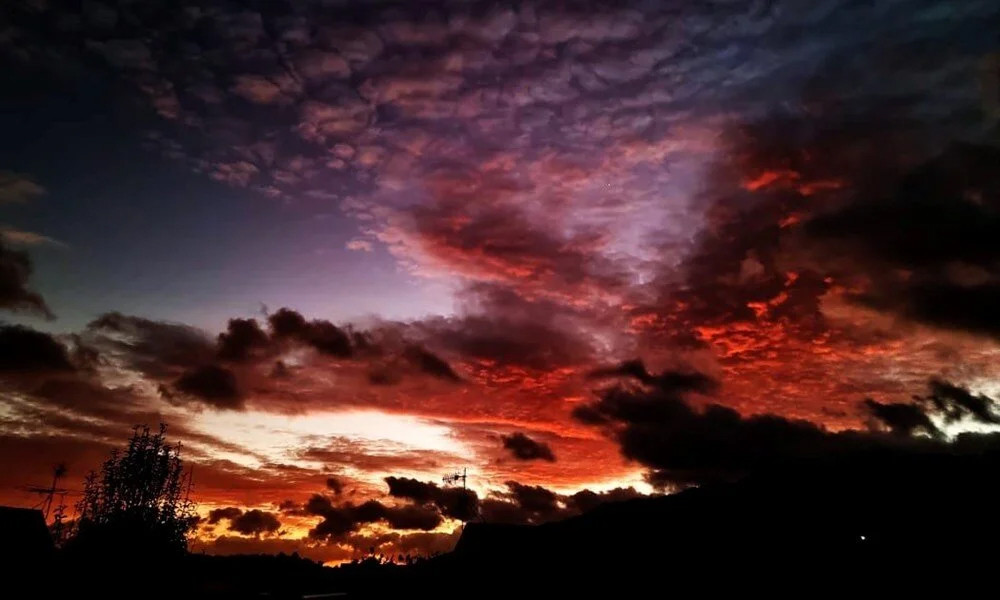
(280, 437)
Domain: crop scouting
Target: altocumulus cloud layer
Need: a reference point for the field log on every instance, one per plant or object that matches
(782, 208)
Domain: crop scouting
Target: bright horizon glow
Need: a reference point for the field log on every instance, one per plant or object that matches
(274, 435)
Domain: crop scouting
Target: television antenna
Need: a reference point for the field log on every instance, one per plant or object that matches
(58, 472)
(454, 478)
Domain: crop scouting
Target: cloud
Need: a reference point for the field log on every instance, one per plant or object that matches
(359, 246)
(523, 447)
(956, 403)
(518, 504)
(523, 504)
(322, 335)
(155, 348)
(18, 189)
(946, 401)
(18, 237)
(15, 295)
(595, 186)
(431, 364)
(335, 485)
(925, 248)
(255, 522)
(902, 419)
(218, 514)
(657, 426)
(345, 452)
(558, 154)
(636, 369)
(413, 489)
(241, 338)
(453, 502)
(24, 350)
(534, 498)
(213, 385)
(499, 328)
(338, 521)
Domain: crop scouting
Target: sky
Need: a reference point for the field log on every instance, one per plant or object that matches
(345, 248)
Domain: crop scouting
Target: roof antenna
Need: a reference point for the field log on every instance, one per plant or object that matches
(453, 478)
(58, 471)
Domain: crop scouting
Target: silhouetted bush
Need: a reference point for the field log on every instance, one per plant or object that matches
(136, 506)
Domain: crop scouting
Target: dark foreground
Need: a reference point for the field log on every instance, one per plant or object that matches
(874, 522)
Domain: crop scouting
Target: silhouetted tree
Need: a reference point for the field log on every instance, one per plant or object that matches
(137, 502)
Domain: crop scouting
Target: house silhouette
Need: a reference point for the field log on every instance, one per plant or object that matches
(26, 539)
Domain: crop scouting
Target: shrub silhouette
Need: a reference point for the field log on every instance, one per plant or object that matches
(136, 505)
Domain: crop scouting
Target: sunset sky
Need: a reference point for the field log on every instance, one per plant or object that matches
(331, 242)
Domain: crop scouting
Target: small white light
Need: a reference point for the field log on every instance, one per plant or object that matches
(862, 538)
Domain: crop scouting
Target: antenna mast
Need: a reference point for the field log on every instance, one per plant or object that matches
(453, 478)
(58, 471)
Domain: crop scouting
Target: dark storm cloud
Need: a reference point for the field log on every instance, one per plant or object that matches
(523, 447)
(534, 498)
(390, 359)
(340, 520)
(320, 334)
(86, 397)
(772, 173)
(507, 341)
(431, 364)
(902, 419)
(241, 338)
(457, 503)
(335, 485)
(953, 196)
(947, 401)
(24, 350)
(956, 403)
(212, 385)
(533, 504)
(518, 504)
(155, 348)
(412, 489)
(15, 295)
(255, 522)
(218, 514)
(636, 369)
(659, 428)
(186, 364)
(614, 405)
(927, 247)
(497, 326)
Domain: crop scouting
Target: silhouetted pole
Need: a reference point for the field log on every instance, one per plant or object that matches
(50, 492)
